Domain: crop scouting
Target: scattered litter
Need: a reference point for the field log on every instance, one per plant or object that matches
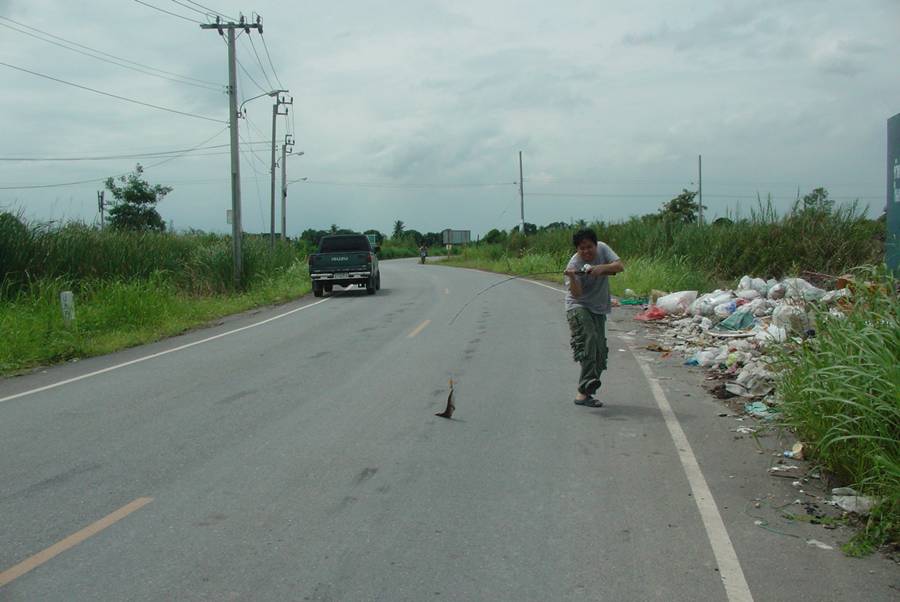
(651, 313)
(795, 453)
(858, 504)
(759, 410)
(818, 544)
(744, 430)
(657, 347)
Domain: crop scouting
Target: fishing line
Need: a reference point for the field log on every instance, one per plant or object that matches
(584, 271)
(486, 289)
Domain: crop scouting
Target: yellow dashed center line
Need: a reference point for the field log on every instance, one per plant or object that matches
(71, 541)
(418, 329)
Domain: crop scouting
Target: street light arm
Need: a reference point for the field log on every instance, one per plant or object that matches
(272, 93)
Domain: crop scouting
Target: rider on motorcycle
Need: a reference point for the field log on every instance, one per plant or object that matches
(423, 253)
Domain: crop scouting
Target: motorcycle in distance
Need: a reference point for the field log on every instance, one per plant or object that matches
(423, 253)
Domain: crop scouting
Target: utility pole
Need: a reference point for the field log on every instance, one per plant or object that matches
(236, 229)
(275, 113)
(284, 151)
(100, 206)
(700, 188)
(521, 195)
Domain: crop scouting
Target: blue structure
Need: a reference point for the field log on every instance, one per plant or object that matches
(892, 246)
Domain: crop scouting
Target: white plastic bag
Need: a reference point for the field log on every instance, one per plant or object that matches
(776, 291)
(798, 288)
(749, 294)
(791, 318)
(676, 303)
(723, 310)
(745, 283)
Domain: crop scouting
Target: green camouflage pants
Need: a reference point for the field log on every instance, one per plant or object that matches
(588, 346)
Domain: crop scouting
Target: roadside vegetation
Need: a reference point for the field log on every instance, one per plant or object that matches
(840, 390)
(130, 287)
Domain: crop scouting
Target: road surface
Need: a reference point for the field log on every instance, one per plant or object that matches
(293, 454)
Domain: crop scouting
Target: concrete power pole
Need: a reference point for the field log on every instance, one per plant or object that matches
(700, 188)
(284, 151)
(236, 229)
(275, 113)
(101, 207)
(521, 195)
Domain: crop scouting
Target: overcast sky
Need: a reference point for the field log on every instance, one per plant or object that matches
(417, 110)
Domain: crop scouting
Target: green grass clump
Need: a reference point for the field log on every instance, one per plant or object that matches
(113, 314)
(840, 391)
(642, 274)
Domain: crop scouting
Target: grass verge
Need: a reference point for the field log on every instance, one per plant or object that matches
(114, 314)
(840, 391)
(642, 274)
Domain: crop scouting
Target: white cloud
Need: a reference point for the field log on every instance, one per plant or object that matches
(426, 95)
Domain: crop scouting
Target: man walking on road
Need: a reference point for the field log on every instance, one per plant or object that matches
(587, 305)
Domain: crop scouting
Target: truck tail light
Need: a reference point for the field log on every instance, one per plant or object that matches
(369, 258)
(309, 260)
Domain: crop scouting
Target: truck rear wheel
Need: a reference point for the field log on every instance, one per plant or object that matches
(317, 289)
(370, 286)
(378, 282)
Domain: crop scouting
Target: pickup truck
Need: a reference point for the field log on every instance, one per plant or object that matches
(344, 260)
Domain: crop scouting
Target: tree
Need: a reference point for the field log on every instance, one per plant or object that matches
(816, 202)
(135, 202)
(398, 230)
(682, 208)
(494, 236)
(379, 237)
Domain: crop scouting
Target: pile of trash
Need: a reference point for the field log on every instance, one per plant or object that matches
(731, 331)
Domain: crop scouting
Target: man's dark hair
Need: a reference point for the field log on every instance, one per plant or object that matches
(581, 235)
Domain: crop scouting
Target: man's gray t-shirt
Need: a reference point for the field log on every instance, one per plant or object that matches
(595, 289)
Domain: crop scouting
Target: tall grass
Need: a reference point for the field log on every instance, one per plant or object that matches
(642, 274)
(841, 392)
(116, 313)
(196, 263)
(762, 244)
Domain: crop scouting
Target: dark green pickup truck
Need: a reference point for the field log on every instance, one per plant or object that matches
(344, 260)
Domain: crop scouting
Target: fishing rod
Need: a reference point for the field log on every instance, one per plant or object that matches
(584, 270)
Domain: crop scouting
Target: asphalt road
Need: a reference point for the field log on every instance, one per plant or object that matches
(300, 459)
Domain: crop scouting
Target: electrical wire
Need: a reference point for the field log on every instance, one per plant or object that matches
(667, 195)
(269, 56)
(259, 62)
(131, 100)
(162, 10)
(115, 60)
(409, 186)
(215, 12)
(206, 14)
(64, 184)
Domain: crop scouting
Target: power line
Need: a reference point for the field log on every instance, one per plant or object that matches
(199, 82)
(215, 12)
(259, 62)
(131, 100)
(247, 73)
(410, 186)
(64, 184)
(669, 195)
(162, 10)
(269, 56)
(206, 14)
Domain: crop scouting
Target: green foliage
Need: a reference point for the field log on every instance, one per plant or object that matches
(398, 230)
(682, 209)
(118, 312)
(198, 263)
(841, 392)
(763, 244)
(135, 202)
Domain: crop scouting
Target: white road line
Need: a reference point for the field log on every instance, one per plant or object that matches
(552, 288)
(736, 588)
(150, 357)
